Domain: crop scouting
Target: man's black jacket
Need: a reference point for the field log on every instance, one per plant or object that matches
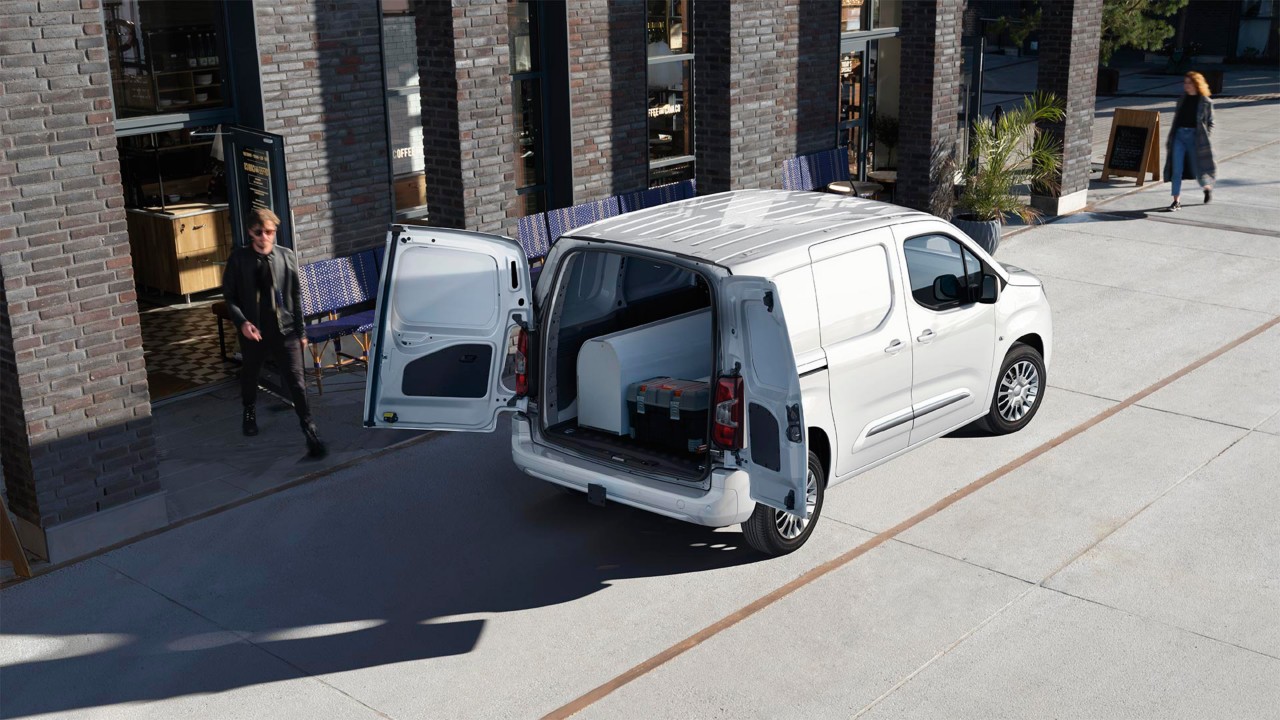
(240, 288)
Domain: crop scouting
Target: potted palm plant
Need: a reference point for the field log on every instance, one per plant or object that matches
(1008, 159)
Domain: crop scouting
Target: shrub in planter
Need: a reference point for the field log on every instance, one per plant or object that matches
(1006, 158)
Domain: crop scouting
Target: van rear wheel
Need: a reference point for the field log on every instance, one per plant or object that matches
(774, 532)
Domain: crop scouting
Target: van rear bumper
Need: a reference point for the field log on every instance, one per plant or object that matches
(728, 502)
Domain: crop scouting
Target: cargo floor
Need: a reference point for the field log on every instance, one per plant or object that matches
(685, 466)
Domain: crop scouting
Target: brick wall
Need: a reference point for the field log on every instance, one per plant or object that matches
(765, 88)
(712, 96)
(1069, 69)
(467, 121)
(323, 90)
(75, 420)
(607, 82)
(929, 101)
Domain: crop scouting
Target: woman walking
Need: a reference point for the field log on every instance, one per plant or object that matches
(1188, 153)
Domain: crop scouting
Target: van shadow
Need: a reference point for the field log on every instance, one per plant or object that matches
(332, 577)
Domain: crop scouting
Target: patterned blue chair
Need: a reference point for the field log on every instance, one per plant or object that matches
(641, 199)
(560, 222)
(531, 231)
(816, 170)
(368, 273)
(328, 288)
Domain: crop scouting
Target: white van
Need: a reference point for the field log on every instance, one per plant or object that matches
(834, 333)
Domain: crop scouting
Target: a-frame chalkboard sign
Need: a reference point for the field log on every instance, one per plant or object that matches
(1134, 147)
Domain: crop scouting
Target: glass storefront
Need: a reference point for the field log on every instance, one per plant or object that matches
(166, 56)
(404, 109)
(869, 78)
(172, 84)
(861, 15)
(528, 78)
(670, 83)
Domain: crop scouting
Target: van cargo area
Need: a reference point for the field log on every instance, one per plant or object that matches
(629, 350)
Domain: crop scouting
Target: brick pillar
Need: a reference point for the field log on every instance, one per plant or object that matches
(1069, 33)
(929, 101)
(323, 90)
(607, 78)
(754, 61)
(467, 120)
(75, 418)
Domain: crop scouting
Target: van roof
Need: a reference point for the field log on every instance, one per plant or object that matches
(736, 227)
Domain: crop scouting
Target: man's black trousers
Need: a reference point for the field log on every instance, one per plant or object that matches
(287, 353)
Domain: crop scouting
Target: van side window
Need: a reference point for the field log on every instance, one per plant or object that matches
(937, 267)
(854, 294)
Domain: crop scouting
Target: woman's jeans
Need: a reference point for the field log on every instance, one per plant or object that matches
(1184, 143)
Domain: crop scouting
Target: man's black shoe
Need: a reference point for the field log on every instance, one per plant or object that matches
(315, 446)
(250, 422)
(1208, 195)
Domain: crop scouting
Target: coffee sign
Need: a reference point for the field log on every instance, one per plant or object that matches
(1134, 147)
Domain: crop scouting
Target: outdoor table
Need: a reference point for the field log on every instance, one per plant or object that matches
(854, 187)
(888, 178)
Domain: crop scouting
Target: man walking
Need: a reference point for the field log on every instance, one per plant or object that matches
(264, 299)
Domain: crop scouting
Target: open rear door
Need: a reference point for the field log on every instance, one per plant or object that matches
(447, 305)
(755, 340)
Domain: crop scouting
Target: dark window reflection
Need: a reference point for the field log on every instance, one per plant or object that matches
(528, 117)
(166, 56)
(528, 80)
(666, 25)
(670, 89)
(852, 110)
(524, 39)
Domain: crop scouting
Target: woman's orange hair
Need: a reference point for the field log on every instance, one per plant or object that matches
(1202, 85)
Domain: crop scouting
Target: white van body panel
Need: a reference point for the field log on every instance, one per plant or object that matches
(856, 385)
(726, 502)
(450, 301)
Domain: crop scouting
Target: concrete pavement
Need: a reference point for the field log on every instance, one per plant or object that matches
(1130, 570)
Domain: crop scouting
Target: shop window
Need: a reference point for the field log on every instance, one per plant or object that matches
(529, 80)
(166, 56)
(862, 15)
(404, 109)
(670, 85)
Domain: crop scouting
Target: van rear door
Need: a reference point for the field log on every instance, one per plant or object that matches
(754, 341)
(448, 304)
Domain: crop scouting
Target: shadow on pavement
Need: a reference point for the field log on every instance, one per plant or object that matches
(332, 577)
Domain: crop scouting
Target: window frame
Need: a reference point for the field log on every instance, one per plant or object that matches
(678, 59)
(539, 73)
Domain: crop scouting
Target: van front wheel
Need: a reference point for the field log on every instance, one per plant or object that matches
(774, 532)
(1019, 391)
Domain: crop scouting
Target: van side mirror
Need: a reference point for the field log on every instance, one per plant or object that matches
(946, 287)
(990, 290)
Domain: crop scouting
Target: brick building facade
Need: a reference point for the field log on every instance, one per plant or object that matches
(80, 464)
(75, 419)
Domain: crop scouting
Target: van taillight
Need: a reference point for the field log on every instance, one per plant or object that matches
(521, 362)
(726, 428)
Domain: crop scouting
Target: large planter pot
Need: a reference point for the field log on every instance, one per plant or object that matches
(1108, 81)
(984, 232)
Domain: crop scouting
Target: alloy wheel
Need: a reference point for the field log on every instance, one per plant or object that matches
(1018, 391)
(791, 527)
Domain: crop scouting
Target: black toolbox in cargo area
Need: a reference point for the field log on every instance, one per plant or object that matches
(670, 413)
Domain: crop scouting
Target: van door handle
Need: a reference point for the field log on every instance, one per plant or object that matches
(926, 336)
(895, 347)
